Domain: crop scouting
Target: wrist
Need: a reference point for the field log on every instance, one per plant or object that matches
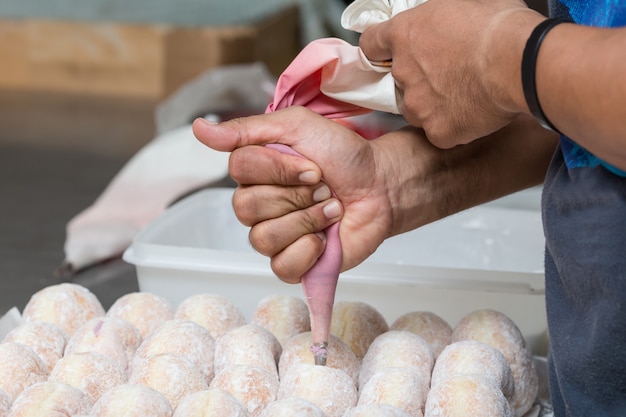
(503, 49)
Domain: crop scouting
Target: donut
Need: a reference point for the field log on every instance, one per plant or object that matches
(47, 340)
(292, 407)
(466, 395)
(254, 386)
(146, 311)
(130, 400)
(214, 312)
(247, 345)
(171, 374)
(331, 389)
(67, 305)
(211, 402)
(110, 336)
(183, 337)
(283, 315)
(50, 398)
(398, 349)
(297, 351)
(91, 372)
(498, 330)
(432, 328)
(20, 368)
(471, 357)
(5, 403)
(357, 324)
(400, 387)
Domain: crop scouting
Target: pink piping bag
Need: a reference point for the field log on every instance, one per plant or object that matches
(301, 85)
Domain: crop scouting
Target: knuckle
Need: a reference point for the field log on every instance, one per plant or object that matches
(262, 239)
(244, 207)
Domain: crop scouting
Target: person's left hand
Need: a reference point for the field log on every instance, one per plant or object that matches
(281, 198)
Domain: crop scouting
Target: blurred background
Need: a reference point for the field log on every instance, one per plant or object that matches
(80, 81)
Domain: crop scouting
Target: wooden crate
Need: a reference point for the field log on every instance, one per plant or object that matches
(135, 60)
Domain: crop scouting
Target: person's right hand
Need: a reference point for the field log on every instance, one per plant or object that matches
(456, 64)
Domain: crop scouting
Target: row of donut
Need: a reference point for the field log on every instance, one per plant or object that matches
(202, 358)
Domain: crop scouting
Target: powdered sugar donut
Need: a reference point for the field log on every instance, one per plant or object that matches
(20, 368)
(47, 340)
(91, 372)
(466, 395)
(211, 402)
(429, 326)
(130, 400)
(172, 374)
(50, 398)
(283, 315)
(67, 305)
(400, 387)
(247, 345)
(215, 313)
(330, 389)
(5, 403)
(254, 386)
(110, 336)
(471, 357)
(340, 356)
(357, 324)
(496, 329)
(292, 407)
(183, 337)
(397, 349)
(146, 311)
(375, 410)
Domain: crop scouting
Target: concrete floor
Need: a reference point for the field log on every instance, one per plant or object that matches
(56, 156)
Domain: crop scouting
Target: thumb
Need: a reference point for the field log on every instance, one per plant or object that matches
(375, 42)
(232, 134)
(288, 126)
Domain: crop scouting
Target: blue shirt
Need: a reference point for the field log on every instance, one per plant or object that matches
(603, 13)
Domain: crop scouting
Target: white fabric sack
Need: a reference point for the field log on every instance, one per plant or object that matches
(355, 79)
(168, 167)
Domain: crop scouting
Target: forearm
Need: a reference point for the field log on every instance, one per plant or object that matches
(581, 81)
(579, 77)
(437, 183)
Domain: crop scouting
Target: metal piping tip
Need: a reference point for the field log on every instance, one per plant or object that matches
(384, 64)
(320, 353)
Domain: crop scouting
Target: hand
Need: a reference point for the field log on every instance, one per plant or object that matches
(281, 196)
(457, 63)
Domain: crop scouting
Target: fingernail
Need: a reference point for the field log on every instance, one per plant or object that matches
(309, 177)
(322, 193)
(207, 121)
(212, 118)
(322, 236)
(332, 209)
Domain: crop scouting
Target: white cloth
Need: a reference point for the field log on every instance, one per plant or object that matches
(354, 79)
(170, 166)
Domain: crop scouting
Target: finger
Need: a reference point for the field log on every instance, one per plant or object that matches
(285, 126)
(296, 259)
(273, 236)
(259, 203)
(252, 165)
(375, 42)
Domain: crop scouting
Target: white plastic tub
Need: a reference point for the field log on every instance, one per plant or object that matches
(486, 257)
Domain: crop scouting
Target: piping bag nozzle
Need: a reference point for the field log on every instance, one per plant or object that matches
(320, 353)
